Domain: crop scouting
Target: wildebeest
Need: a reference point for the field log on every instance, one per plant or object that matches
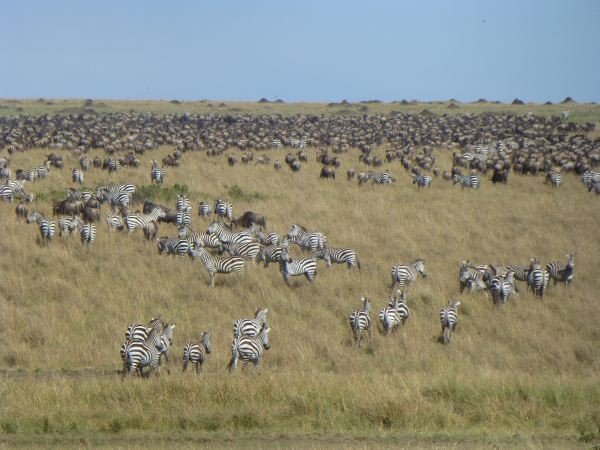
(91, 214)
(248, 218)
(327, 172)
(67, 207)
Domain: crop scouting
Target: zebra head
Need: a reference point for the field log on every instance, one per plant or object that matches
(32, 217)
(214, 227)
(264, 336)
(454, 304)
(285, 255)
(571, 260)
(420, 267)
(206, 342)
(168, 333)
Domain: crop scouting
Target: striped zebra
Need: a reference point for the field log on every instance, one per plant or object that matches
(538, 278)
(502, 288)
(590, 178)
(111, 164)
(558, 273)
(77, 176)
(115, 188)
(405, 275)
(249, 250)
(27, 175)
(521, 272)
(47, 226)
(135, 221)
(205, 209)
(157, 174)
(449, 320)
(422, 181)
(42, 171)
(214, 265)
(84, 196)
(360, 321)
(554, 177)
(271, 238)
(471, 277)
(277, 144)
(195, 352)
(226, 236)
(115, 221)
(296, 267)
(312, 241)
(271, 254)
(207, 240)
(16, 186)
(183, 218)
(27, 198)
(339, 256)
(88, 233)
(224, 209)
(5, 172)
(395, 314)
(182, 203)
(382, 178)
(249, 348)
(6, 194)
(250, 327)
(173, 246)
(470, 181)
(68, 224)
(147, 353)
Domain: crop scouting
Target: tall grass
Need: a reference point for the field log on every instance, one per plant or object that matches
(530, 367)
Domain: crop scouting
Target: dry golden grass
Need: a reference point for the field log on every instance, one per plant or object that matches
(529, 368)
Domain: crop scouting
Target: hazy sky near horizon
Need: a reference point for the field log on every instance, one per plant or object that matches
(301, 50)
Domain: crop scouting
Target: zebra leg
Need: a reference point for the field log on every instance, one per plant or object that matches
(212, 279)
(287, 280)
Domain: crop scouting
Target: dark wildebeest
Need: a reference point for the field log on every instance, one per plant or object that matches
(91, 214)
(67, 207)
(248, 218)
(327, 172)
(151, 230)
(21, 210)
(500, 175)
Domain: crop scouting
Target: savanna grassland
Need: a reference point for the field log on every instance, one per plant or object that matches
(523, 375)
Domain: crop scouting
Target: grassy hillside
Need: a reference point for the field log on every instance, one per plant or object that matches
(522, 375)
(580, 112)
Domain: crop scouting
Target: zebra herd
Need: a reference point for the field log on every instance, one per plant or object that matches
(145, 346)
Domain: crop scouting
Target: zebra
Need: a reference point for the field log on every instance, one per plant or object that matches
(224, 209)
(338, 256)
(115, 221)
(422, 181)
(360, 320)
(589, 178)
(538, 278)
(226, 236)
(77, 176)
(88, 233)
(554, 177)
(173, 246)
(111, 164)
(42, 171)
(5, 173)
(559, 273)
(114, 188)
(271, 254)
(205, 209)
(271, 238)
(143, 353)
(277, 144)
(471, 277)
(502, 288)
(296, 267)
(214, 265)
(250, 327)
(16, 186)
(470, 181)
(84, 196)
(395, 314)
(249, 250)
(405, 275)
(382, 178)
(134, 221)
(47, 226)
(182, 203)
(195, 352)
(308, 240)
(249, 348)
(520, 271)
(449, 320)
(27, 198)
(183, 218)
(200, 239)
(157, 173)
(6, 193)
(69, 224)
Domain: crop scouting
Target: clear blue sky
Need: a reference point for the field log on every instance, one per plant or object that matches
(301, 50)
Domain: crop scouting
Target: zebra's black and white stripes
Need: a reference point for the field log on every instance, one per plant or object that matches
(395, 314)
(469, 181)
(47, 226)
(422, 181)
(561, 274)
(360, 321)
(157, 174)
(249, 349)
(404, 275)
(214, 265)
(449, 320)
(224, 209)
(195, 352)
(554, 177)
(296, 267)
(339, 256)
(250, 327)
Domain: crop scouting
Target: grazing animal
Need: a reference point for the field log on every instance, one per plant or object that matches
(88, 233)
(249, 348)
(251, 327)
(205, 209)
(77, 176)
(405, 275)
(449, 320)
(422, 181)
(195, 352)
(115, 221)
(271, 254)
(312, 241)
(226, 236)
(214, 265)
(223, 209)
(360, 321)
(249, 250)
(338, 256)
(293, 268)
(173, 246)
(135, 221)
(469, 181)
(554, 177)
(395, 314)
(558, 273)
(502, 288)
(47, 226)
(157, 174)
(538, 278)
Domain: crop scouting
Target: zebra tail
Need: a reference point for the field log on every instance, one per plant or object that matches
(357, 263)
(234, 357)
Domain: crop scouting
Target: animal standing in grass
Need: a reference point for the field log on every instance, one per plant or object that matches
(195, 352)
(360, 321)
(449, 320)
(249, 349)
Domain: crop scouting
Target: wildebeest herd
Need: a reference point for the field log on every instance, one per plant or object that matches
(481, 144)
